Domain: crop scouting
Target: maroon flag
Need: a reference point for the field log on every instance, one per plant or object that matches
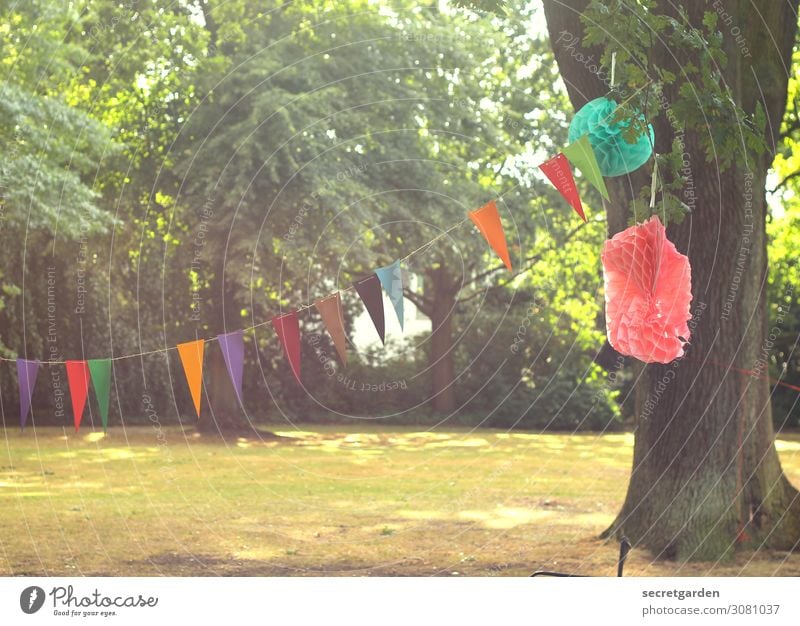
(369, 289)
(287, 327)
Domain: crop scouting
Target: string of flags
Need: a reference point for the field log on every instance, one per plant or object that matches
(370, 289)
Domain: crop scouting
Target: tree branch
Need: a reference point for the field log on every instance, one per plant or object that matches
(785, 180)
(531, 260)
(791, 128)
(422, 303)
(211, 26)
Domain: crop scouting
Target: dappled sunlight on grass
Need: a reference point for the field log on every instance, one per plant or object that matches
(787, 446)
(334, 499)
(101, 455)
(458, 443)
(258, 553)
(296, 434)
(25, 494)
(503, 517)
(421, 515)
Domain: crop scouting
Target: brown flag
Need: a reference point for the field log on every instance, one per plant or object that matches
(330, 309)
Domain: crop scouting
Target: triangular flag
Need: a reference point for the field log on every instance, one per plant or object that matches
(100, 369)
(369, 289)
(26, 375)
(391, 278)
(232, 346)
(487, 219)
(330, 309)
(191, 354)
(78, 380)
(287, 327)
(581, 155)
(558, 171)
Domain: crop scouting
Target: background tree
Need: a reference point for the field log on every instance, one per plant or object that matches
(313, 183)
(784, 270)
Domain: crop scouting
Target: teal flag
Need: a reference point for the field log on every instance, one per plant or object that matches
(391, 278)
(100, 370)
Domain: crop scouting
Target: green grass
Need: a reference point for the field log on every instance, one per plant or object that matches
(330, 501)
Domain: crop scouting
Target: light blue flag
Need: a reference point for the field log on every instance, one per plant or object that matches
(391, 278)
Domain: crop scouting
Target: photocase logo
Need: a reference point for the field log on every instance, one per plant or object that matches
(31, 599)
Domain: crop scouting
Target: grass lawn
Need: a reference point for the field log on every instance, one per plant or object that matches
(331, 501)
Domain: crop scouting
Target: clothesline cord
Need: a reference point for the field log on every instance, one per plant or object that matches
(306, 306)
(300, 309)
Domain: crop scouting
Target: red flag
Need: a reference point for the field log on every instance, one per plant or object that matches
(78, 380)
(558, 171)
(287, 327)
(487, 219)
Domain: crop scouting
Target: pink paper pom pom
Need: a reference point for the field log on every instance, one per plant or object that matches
(648, 287)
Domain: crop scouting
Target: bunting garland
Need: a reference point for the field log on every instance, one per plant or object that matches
(232, 346)
(287, 327)
(369, 289)
(27, 371)
(78, 381)
(487, 219)
(391, 277)
(100, 370)
(388, 279)
(191, 354)
(330, 310)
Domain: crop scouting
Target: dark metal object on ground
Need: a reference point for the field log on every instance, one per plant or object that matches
(624, 548)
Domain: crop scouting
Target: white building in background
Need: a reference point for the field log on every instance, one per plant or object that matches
(365, 336)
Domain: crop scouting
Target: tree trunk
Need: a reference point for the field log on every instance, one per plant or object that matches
(441, 356)
(221, 412)
(706, 476)
(441, 308)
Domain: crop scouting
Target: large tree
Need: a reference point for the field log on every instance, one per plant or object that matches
(706, 476)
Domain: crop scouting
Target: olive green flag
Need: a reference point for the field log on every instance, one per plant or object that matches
(581, 155)
(100, 370)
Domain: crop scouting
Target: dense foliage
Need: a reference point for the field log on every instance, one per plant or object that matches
(173, 171)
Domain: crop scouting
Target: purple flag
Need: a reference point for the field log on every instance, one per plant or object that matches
(232, 345)
(26, 373)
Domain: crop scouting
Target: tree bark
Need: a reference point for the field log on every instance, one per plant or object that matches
(439, 304)
(706, 477)
(221, 413)
(441, 355)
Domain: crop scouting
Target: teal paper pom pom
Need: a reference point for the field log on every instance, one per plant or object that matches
(615, 156)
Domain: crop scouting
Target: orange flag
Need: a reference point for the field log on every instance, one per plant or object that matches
(191, 354)
(330, 309)
(487, 219)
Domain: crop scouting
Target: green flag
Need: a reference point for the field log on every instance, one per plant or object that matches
(581, 155)
(100, 369)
